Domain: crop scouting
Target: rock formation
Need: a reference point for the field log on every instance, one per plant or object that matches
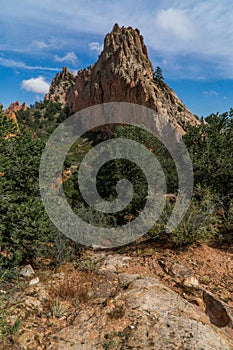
(117, 306)
(12, 116)
(152, 317)
(124, 73)
(15, 107)
(60, 85)
(10, 113)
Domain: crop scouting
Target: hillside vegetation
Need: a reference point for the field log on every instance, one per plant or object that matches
(26, 231)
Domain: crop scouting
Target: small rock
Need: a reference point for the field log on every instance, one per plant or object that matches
(27, 271)
(126, 278)
(108, 267)
(191, 281)
(179, 271)
(175, 270)
(34, 281)
(27, 340)
(200, 303)
(217, 310)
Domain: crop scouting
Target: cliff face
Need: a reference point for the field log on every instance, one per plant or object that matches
(60, 85)
(124, 73)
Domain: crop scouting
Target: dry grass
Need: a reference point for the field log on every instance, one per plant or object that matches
(75, 289)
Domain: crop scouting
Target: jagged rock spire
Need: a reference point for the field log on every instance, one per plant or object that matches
(123, 73)
(60, 85)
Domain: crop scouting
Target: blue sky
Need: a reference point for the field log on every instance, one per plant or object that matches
(192, 41)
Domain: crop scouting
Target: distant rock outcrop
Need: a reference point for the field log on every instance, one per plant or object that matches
(13, 117)
(60, 85)
(15, 107)
(11, 114)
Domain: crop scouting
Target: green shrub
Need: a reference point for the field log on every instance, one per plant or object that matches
(26, 231)
(199, 224)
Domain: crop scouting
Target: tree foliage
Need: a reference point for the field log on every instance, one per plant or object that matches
(158, 75)
(25, 228)
(211, 149)
(43, 117)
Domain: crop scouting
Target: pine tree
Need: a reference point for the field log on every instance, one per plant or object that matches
(158, 74)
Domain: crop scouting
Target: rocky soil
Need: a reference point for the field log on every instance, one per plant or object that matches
(140, 297)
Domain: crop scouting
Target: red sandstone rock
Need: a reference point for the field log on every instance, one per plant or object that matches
(124, 73)
(15, 107)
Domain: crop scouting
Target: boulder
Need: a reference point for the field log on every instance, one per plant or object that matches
(220, 314)
(146, 315)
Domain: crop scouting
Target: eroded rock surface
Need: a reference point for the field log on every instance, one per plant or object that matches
(114, 301)
(147, 315)
(123, 73)
(60, 86)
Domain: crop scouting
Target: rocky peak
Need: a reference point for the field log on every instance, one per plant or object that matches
(60, 85)
(127, 51)
(65, 74)
(15, 107)
(124, 73)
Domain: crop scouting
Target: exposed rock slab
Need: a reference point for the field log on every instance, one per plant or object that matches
(147, 315)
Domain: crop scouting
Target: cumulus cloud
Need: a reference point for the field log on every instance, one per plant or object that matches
(201, 29)
(70, 57)
(38, 85)
(95, 46)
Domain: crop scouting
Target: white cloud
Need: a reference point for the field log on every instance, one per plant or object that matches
(175, 22)
(201, 30)
(95, 46)
(37, 85)
(70, 57)
(211, 93)
(39, 44)
(6, 62)
(51, 43)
